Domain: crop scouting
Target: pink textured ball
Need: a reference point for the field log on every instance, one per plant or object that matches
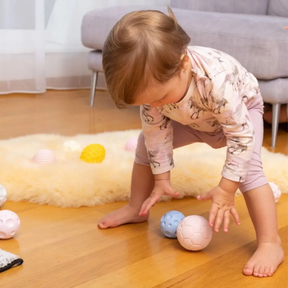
(44, 157)
(9, 224)
(131, 144)
(194, 233)
(276, 191)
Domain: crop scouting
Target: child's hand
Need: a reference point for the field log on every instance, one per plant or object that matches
(222, 207)
(162, 187)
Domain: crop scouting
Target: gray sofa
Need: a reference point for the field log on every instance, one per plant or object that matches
(252, 31)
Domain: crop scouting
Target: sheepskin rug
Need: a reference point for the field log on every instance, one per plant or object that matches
(70, 182)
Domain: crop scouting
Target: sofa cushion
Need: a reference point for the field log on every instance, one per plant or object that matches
(278, 8)
(258, 42)
(231, 6)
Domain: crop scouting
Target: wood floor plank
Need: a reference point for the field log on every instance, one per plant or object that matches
(227, 272)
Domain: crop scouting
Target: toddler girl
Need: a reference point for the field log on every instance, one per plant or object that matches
(190, 94)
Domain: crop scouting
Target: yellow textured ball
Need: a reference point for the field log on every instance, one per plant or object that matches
(93, 153)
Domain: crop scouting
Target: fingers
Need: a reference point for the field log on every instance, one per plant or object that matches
(219, 216)
(235, 216)
(204, 197)
(219, 220)
(212, 215)
(153, 199)
(175, 194)
(148, 203)
(226, 221)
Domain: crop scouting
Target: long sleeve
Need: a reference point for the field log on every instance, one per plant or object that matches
(158, 134)
(229, 108)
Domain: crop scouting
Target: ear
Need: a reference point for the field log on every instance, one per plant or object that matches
(185, 61)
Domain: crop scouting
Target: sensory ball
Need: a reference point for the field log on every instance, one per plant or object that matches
(194, 233)
(9, 224)
(169, 223)
(93, 153)
(131, 144)
(71, 146)
(3, 195)
(276, 191)
(44, 157)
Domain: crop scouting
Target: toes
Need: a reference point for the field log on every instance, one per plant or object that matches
(266, 272)
(271, 271)
(256, 271)
(247, 271)
(101, 225)
(260, 271)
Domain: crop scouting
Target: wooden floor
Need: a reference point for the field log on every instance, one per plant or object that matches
(64, 248)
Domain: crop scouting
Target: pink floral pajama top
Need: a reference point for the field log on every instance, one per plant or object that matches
(218, 98)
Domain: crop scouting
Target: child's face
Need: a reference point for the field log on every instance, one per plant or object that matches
(169, 92)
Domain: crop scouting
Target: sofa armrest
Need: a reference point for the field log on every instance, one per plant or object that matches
(224, 6)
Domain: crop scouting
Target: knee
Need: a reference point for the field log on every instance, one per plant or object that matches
(219, 141)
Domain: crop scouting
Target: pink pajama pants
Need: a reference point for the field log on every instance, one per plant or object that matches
(184, 135)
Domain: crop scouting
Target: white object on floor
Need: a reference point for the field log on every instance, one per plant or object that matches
(71, 146)
(9, 224)
(276, 191)
(44, 157)
(8, 260)
(3, 195)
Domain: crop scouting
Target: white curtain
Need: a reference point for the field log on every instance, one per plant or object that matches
(40, 43)
(22, 46)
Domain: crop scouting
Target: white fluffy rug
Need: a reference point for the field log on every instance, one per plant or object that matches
(70, 182)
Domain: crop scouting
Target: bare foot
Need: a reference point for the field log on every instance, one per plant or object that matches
(121, 216)
(265, 260)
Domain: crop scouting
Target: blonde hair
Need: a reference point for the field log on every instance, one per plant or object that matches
(143, 47)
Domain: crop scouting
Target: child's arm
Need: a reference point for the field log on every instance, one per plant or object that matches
(162, 187)
(228, 95)
(158, 133)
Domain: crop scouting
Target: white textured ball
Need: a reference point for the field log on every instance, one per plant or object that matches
(131, 144)
(43, 157)
(3, 195)
(276, 191)
(194, 233)
(71, 146)
(9, 224)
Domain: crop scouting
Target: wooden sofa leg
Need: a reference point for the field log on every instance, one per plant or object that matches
(94, 78)
(275, 122)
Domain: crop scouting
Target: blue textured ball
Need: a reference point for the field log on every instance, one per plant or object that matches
(169, 223)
